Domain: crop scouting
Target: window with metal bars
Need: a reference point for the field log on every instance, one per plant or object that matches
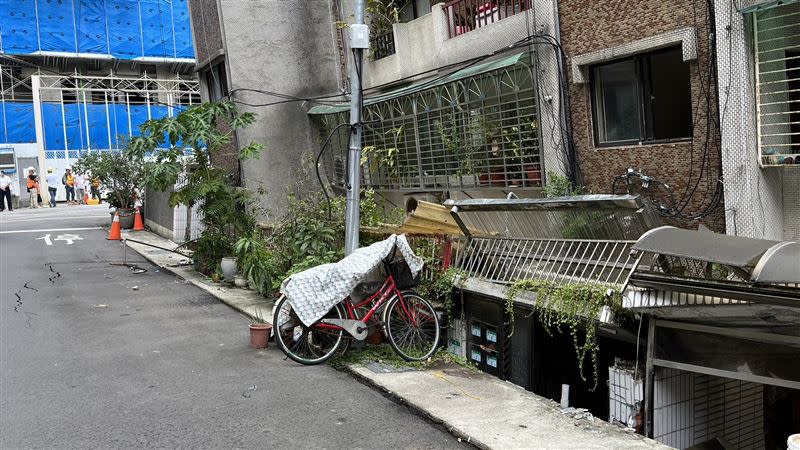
(777, 61)
(476, 132)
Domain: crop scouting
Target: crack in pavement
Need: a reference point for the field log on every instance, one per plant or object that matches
(57, 274)
(19, 301)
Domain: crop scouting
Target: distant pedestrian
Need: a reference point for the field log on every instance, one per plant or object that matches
(68, 180)
(96, 188)
(5, 191)
(33, 187)
(15, 191)
(52, 186)
(80, 192)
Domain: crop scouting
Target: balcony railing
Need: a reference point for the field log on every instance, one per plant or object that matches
(464, 16)
(382, 46)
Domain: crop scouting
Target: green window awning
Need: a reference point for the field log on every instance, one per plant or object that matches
(424, 84)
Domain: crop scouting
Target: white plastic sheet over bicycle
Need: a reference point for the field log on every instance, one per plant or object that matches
(317, 316)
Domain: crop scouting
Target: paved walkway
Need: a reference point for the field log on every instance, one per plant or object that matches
(475, 407)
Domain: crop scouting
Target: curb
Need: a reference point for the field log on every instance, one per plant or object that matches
(417, 409)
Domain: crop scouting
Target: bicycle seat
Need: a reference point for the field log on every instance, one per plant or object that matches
(363, 290)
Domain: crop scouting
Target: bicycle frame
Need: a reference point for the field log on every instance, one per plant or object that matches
(387, 291)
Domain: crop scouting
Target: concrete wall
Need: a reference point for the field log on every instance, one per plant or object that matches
(158, 215)
(760, 203)
(285, 47)
(588, 27)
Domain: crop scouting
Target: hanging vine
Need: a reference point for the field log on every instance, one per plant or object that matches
(572, 306)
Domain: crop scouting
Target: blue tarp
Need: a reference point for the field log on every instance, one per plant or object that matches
(91, 20)
(183, 29)
(56, 25)
(125, 29)
(18, 26)
(157, 28)
(54, 126)
(17, 123)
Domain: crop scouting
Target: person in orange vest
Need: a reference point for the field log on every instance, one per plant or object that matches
(33, 187)
(68, 180)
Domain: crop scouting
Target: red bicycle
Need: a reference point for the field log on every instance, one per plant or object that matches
(409, 321)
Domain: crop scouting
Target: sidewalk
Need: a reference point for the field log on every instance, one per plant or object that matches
(475, 407)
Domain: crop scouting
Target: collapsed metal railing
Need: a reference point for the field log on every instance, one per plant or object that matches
(580, 239)
(554, 261)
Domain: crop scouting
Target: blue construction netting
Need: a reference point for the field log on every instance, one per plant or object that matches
(124, 29)
(84, 126)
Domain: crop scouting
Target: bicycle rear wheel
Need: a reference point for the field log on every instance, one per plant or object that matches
(412, 327)
(306, 345)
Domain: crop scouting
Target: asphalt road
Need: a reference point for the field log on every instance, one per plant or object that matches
(93, 356)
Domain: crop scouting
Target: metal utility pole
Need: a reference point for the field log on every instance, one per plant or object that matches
(359, 41)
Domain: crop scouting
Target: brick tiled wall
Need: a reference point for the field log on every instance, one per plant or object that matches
(206, 29)
(588, 26)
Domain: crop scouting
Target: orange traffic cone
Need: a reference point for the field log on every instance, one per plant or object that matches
(138, 224)
(116, 229)
(86, 198)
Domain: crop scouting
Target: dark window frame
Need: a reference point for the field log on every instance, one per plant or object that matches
(216, 80)
(642, 63)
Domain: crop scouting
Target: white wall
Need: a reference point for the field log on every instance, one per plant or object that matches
(760, 203)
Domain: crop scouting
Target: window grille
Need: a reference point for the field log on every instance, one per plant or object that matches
(475, 132)
(777, 60)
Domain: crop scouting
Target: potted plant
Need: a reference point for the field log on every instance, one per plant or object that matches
(229, 268)
(259, 330)
(119, 173)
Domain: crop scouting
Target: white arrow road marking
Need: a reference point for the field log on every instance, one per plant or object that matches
(68, 238)
(46, 238)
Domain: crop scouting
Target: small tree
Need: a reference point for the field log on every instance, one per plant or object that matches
(182, 147)
(120, 173)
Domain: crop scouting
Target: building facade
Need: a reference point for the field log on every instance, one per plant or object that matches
(759, 71)
(248, 51)
(643, 96)
(82, 76)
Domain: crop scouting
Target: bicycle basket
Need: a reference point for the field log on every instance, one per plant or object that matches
(401, 273)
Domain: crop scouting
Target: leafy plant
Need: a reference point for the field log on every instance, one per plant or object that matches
(381, 16)
(182, 147)
(574, 306)
(117, 171)
(438, 285)
(561, 186)
(209, 249)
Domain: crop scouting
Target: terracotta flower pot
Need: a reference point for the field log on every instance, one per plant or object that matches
(259, 334)
(496, 178)
(533, 175)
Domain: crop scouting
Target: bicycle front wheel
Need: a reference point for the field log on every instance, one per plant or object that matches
(412, 327)
(306, 345)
